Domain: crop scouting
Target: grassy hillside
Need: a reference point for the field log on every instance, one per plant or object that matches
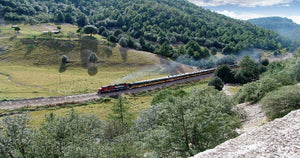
(30, 63)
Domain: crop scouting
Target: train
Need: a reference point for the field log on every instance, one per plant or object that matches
(125, 86)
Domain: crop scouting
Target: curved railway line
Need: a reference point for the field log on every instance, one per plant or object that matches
(53, 101)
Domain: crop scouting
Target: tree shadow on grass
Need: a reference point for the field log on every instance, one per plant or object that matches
(93, 70)
(63, 67)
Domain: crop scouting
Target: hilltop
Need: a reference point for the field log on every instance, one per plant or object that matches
(284, 26)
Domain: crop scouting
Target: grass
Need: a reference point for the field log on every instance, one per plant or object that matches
(31, 81)
(97, 108)
(33, 62)
(233, 89)
(100, 108)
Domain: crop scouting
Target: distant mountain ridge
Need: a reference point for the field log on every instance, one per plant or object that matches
(281, 25)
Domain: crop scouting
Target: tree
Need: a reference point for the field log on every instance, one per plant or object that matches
(165, 49)
(90, 29)
(224, 72)
(264, 62)
(279, 103)
(214, 51)
(60, 17)
(15, 137)
(64, 59)
(55, 137)
(184, 126)
(143, 43)
(17, 29)
(93, 57)
(120, 112)
(82, 20)
(123, 42)
(247, 68)
(217, 83)
(118, 32)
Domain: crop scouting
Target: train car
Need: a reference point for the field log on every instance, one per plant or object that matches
(124, 86)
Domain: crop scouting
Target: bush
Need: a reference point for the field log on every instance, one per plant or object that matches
(279, 103)
(123, 42)
(64, 59)
(264, 62)
(224, 72)
(184, 126)
(254, 91)
(217, 83)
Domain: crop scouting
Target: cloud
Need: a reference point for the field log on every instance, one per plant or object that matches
(247, 15)
(242, 16)
(296, 19)
(242, 3)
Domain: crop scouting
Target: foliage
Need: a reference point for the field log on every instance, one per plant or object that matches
(72, 135)
(264, 62)
(120, 112)
(15, 137)
(64, 59)
(17, 29)
(247, 68)
(217, 83)
(225, 73)
(165, 50)
(278, 103)
(161, 96)
(254, 91)
(90, 29)
(278, 74)
(184, 126)
(158, 21)
(93, 57)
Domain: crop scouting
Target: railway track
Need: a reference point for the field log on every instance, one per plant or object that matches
(56, 101)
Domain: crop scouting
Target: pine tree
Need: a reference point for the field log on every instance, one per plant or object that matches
(120, 112)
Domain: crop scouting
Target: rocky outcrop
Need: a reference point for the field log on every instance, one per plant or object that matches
(279, 138)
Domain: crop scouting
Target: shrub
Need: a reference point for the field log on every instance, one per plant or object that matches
(224, 72)
(217, 83)
(123, 42)
(64, 59)
(264, 62)
(279, 103)
(254, 91)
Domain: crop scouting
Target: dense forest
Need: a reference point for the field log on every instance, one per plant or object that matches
(159, 26)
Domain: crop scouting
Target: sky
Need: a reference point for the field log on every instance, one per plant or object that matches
(248, 9)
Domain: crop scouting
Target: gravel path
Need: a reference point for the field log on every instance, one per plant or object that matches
(255, 117)
(279, 138)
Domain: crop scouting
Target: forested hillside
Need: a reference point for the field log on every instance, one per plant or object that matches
(151, 25)
(284, 26)
(279, 24)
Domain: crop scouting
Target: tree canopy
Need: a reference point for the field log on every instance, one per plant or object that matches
(157, 21)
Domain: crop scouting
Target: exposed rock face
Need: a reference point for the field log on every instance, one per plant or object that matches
(279, 138)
